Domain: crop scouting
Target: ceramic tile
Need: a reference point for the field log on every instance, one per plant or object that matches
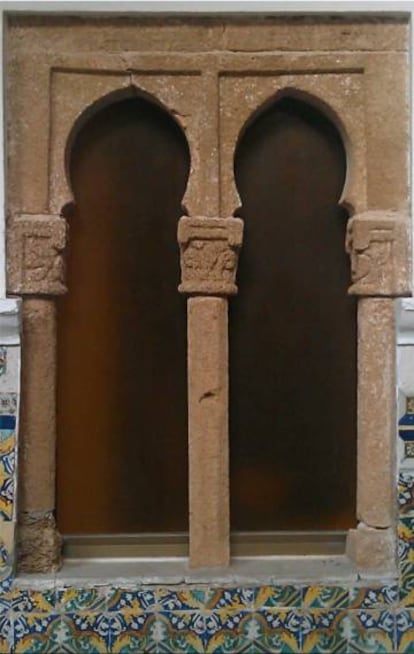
(406, 494)
(3, 360)
(405, 631)
(32, 601)
(8, 403)
(230, 599)
(6, 634)
(406, 585)
(325, 597)
(5, 557)
(406, 540)
(373, 597)
(85, 632)
(371, 631)
(325, 631)
(124, 599)
(37, 632)
(278, 596)
(81, 599)
(6, 496)
(184, 599)
(129, 631)
(245, 631)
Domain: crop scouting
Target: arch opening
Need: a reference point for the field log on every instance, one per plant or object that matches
(122, 389)
(292, 329)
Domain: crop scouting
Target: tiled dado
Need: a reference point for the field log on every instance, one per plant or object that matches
(291, 618)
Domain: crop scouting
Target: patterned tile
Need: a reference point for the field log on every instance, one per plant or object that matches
(71, 600)
(129, 632)
(3, 360)
(8, 403)
(325, 631)
(406, 494)
(277, 596)
(326, 597)
(406, 540)
(184, 599)
(406, 585)
(124, 599)
(84, 632)
(6, 496)
(371, 631)
(245, 631)
(405, 631)
(6, 634)
(230, 599)
(373, 597)
(32, 601)
(37, 632)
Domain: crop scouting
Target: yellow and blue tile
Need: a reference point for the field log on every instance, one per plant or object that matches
(129, 631)
(371, 632)
(6, 634)
(131, 599)
(180, 599)
(324, 630)
(229, 599)
(373, 597)
(406, 494)
(71, 600)
(32, 601)
(406, 585)
(405, 631)
(326, 597)
(37, 632)
(84, 632)
(278, 596)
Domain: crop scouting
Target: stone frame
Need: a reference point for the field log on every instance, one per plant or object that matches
(356, 86)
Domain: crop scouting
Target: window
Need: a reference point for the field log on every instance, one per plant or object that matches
(214, 88)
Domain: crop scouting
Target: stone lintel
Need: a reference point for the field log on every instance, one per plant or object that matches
(35, 262)
(373, 551)
(378, 243)
(209, 253)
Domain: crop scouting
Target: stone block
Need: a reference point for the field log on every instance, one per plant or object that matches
(373, 551)
(378, 245)
(35, 263)
(209, 253)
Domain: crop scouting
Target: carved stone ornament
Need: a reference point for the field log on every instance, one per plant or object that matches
(209, 253)
(35, 245)
(378, 245)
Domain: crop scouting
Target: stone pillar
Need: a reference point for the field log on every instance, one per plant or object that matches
(209, 253)
(378, 244)
(36, 272)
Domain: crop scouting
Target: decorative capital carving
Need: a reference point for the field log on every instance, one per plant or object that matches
(209, 253)
(35, 262)
(378, 245)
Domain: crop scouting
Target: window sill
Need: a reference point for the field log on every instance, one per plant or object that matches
(272, 570)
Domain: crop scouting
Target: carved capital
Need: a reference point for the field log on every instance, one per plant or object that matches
(378, 245)
(209, 253)
(35, 262)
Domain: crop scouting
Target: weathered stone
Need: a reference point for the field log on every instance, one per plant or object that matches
(378, 245)
(209, 254)
(35, 263)
(372, 550)
(208, 432)
(39, 544)
(376, 472)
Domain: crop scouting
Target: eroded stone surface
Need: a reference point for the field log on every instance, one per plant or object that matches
(35, 263)
(372, 550)
(378, 245)
(39, 544)
(209, 253)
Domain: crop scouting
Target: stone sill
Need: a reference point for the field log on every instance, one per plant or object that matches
(270, 570)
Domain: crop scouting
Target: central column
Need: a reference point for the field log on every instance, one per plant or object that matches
(209, 254)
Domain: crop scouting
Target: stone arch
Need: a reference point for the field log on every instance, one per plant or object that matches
(292, 322)
(122, 325)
